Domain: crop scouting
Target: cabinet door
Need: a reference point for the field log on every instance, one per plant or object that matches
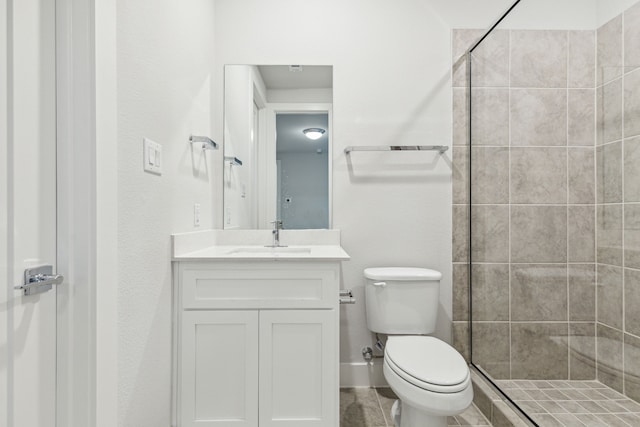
(219, 375)
(298, 368)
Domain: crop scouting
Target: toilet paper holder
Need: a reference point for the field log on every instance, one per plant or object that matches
(346, 297)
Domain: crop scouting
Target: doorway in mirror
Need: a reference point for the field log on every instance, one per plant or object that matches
(303, 168)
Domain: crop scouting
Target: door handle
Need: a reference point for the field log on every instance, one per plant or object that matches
(39, 279)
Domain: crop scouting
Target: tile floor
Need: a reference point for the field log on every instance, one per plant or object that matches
(370, 407)
(573, 403)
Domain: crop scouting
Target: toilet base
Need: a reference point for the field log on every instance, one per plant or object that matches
(395, 413)
(404, 415)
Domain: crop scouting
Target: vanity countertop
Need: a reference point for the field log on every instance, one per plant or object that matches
(301, 245)
(244, 252)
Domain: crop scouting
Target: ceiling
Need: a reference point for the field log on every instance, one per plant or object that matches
(310, 76)
(290, 138)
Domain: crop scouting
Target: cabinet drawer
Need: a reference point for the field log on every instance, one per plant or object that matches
(259, 286)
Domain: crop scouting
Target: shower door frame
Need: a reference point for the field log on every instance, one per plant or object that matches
(468, 56)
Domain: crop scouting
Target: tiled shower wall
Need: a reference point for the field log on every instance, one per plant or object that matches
(533, 203)
(618, 202)
(548, 185)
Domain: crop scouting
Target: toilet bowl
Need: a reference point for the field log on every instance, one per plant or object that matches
(431, 379)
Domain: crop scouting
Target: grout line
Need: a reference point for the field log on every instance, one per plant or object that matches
(540, 146)
(568, 190)
(622, 123)
(384, 416)
(538, 263)
(509, 106)
(594, 100)
(538, 205)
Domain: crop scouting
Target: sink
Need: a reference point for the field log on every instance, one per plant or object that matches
(270, 250)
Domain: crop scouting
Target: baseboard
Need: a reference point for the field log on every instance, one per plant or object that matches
(362, 374)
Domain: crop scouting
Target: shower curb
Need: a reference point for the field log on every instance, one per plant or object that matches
(493, 406)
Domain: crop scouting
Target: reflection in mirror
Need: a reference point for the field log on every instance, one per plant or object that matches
(277, 123)
(302, 169)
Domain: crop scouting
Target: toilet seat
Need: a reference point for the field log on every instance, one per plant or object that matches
(428, 363)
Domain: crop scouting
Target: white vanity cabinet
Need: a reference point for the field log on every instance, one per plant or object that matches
(256, 343)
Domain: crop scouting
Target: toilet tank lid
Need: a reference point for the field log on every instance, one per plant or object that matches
(401, 273)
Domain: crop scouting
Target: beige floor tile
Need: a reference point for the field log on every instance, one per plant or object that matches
(472, 417)
(369, 407)
(359, 407)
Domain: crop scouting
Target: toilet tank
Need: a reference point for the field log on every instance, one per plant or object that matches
(402, 300)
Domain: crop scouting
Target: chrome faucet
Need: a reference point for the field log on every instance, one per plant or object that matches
(277, 226)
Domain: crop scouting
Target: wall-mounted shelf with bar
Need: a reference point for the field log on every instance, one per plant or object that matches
(207, 143)
(440, 148)
(233, 161)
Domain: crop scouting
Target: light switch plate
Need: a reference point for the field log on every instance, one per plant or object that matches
(152, 156)
(196, 215)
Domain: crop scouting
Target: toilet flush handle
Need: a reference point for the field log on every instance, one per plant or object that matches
(381, 284)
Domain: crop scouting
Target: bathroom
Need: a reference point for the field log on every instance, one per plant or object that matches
(158, 69)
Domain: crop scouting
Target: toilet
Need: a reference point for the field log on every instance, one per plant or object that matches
(429, 376)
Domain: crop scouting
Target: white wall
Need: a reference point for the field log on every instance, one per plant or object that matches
(5, 274)
(164, 57)
(531, 14)
(609, 9)
(106, 199)
(528, 14)
(553, 15)
(391, 86)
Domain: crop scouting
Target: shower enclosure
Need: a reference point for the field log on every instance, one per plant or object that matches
(547, 208)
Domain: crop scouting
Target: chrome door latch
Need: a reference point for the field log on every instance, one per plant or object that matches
(39, 279)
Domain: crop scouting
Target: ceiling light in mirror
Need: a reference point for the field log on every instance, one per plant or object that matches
(313, 133)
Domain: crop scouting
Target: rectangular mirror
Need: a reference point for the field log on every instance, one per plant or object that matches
(277, 141)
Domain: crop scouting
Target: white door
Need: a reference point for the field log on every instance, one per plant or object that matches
(219, 358)
(298, 368)
(27, 211)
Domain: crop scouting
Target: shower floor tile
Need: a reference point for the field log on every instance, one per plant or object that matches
(572, 403)
(371, 407)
